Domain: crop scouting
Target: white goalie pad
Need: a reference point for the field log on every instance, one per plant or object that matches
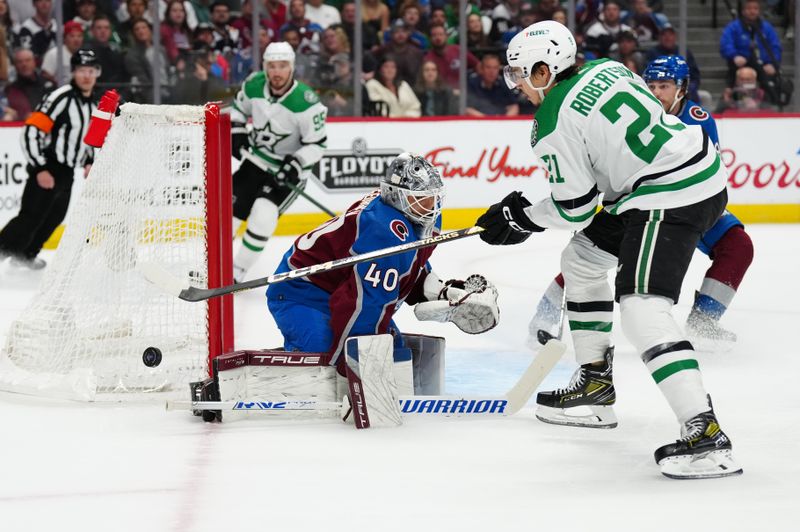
(428, 362)
(270, 374)
(472, 309)
(371, 380)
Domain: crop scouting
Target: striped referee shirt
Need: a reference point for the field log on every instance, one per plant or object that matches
(54, 131)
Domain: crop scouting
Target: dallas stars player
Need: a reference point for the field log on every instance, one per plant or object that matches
(600, 131)
(287, 138)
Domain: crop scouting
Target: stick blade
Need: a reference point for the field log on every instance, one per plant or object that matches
(159, 276)
(544, 361)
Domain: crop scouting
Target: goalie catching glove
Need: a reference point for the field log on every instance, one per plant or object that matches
(471, 305)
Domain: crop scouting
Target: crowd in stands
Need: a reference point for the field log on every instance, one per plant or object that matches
(410, 57)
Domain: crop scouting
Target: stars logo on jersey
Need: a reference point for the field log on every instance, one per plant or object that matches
(698, 113)
(534, 133)
(399, 229)
(268, 138)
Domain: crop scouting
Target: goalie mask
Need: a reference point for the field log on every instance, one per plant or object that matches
(414, 187)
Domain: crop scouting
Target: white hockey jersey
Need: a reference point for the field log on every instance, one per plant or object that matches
(601, 132)
(292, 124)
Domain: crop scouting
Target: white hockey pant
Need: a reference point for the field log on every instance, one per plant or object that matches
(590, 300)
(261, 224)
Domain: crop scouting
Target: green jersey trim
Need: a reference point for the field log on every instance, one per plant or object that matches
(254, 85)
(268, 158)
(300, 99)
(547, 115)
(643, 190)
(573, 219)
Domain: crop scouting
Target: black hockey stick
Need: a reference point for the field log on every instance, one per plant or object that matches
(159, 276)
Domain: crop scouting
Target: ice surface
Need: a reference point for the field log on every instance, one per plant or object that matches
(113, 467)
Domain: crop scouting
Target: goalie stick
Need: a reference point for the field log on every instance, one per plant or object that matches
(441, 405)
(159, 276)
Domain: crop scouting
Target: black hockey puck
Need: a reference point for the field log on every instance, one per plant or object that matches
(544, 336)
(151, 357)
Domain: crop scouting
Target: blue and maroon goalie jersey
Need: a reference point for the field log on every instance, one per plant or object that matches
(356, 301)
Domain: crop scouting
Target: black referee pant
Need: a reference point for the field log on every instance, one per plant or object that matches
(41, 211)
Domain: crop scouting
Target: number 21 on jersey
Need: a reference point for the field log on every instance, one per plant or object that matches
(553, 171)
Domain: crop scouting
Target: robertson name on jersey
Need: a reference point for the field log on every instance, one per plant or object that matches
(601, 132)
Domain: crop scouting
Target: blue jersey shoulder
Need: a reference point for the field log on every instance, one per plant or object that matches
(381, 225)
(694, 114)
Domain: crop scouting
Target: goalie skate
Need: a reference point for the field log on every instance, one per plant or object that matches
(704, 452)
(587, 400)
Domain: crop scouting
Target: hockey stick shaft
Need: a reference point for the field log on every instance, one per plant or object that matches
(441, 405)
(157, 275)
(256, 160)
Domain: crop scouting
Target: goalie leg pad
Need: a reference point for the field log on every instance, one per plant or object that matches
(371, 381)
(428, 360)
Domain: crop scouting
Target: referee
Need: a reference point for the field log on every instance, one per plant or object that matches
(53, 144)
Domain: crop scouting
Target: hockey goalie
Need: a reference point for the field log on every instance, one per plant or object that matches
(338, 324)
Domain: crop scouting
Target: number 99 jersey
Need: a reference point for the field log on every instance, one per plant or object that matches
(601, 131)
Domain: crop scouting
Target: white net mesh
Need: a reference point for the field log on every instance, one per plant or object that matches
(94, 314)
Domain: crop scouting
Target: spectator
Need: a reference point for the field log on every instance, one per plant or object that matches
(560, 16)
(668, 45)
(369, 36)
(5, 34)
(336, 85)
(601, 37)
(504, 17)
(86, 11)
(244, 24)
(407, 57)
(745, 96)
(477, 41)
(139, 60)
(446, 56)
(276, 12)
(25, 93)
(645, 22)
(752, 41)
(176, 37)
(109, 56)
(37, 33)
(435, 97)
(334, 42)
(242, 63)
(547, 9)
(410, 13)
(308, 31)
(397, 96)
(188, 8)
(21, 10)
(375, 14)
(628, 53)
(487, 94)
(439, 17)
(73, 40)
(226, 37)
(197, 85)
(6, 23)
(527, 16)
(322, 15)
(136, 9)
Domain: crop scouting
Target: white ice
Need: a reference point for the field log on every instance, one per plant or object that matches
(135, 467)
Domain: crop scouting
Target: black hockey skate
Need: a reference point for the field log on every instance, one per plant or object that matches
(704, 451)
(592, 389)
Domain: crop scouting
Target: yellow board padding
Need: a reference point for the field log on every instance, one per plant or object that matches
(296, 224)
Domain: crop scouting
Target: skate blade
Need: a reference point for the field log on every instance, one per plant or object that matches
(601, 417)
(713, 464)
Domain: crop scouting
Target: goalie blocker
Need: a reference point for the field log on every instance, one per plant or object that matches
(377, 372)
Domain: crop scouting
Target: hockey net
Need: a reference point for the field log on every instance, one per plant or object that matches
(159, 191)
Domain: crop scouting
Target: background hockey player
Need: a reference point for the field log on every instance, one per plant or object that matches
(286, 140)
(320, 312)
(602, 132)
(726, 243)
(52, 141)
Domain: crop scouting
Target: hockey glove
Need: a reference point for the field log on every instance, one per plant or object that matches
(239, 140)
(289, 172)
(471, 305)
(506, 222)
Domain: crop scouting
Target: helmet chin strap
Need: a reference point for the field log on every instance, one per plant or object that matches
(540, 90)
(676, 101)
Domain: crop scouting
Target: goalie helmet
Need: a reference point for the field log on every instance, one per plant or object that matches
(414, 187)
(547, 42)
